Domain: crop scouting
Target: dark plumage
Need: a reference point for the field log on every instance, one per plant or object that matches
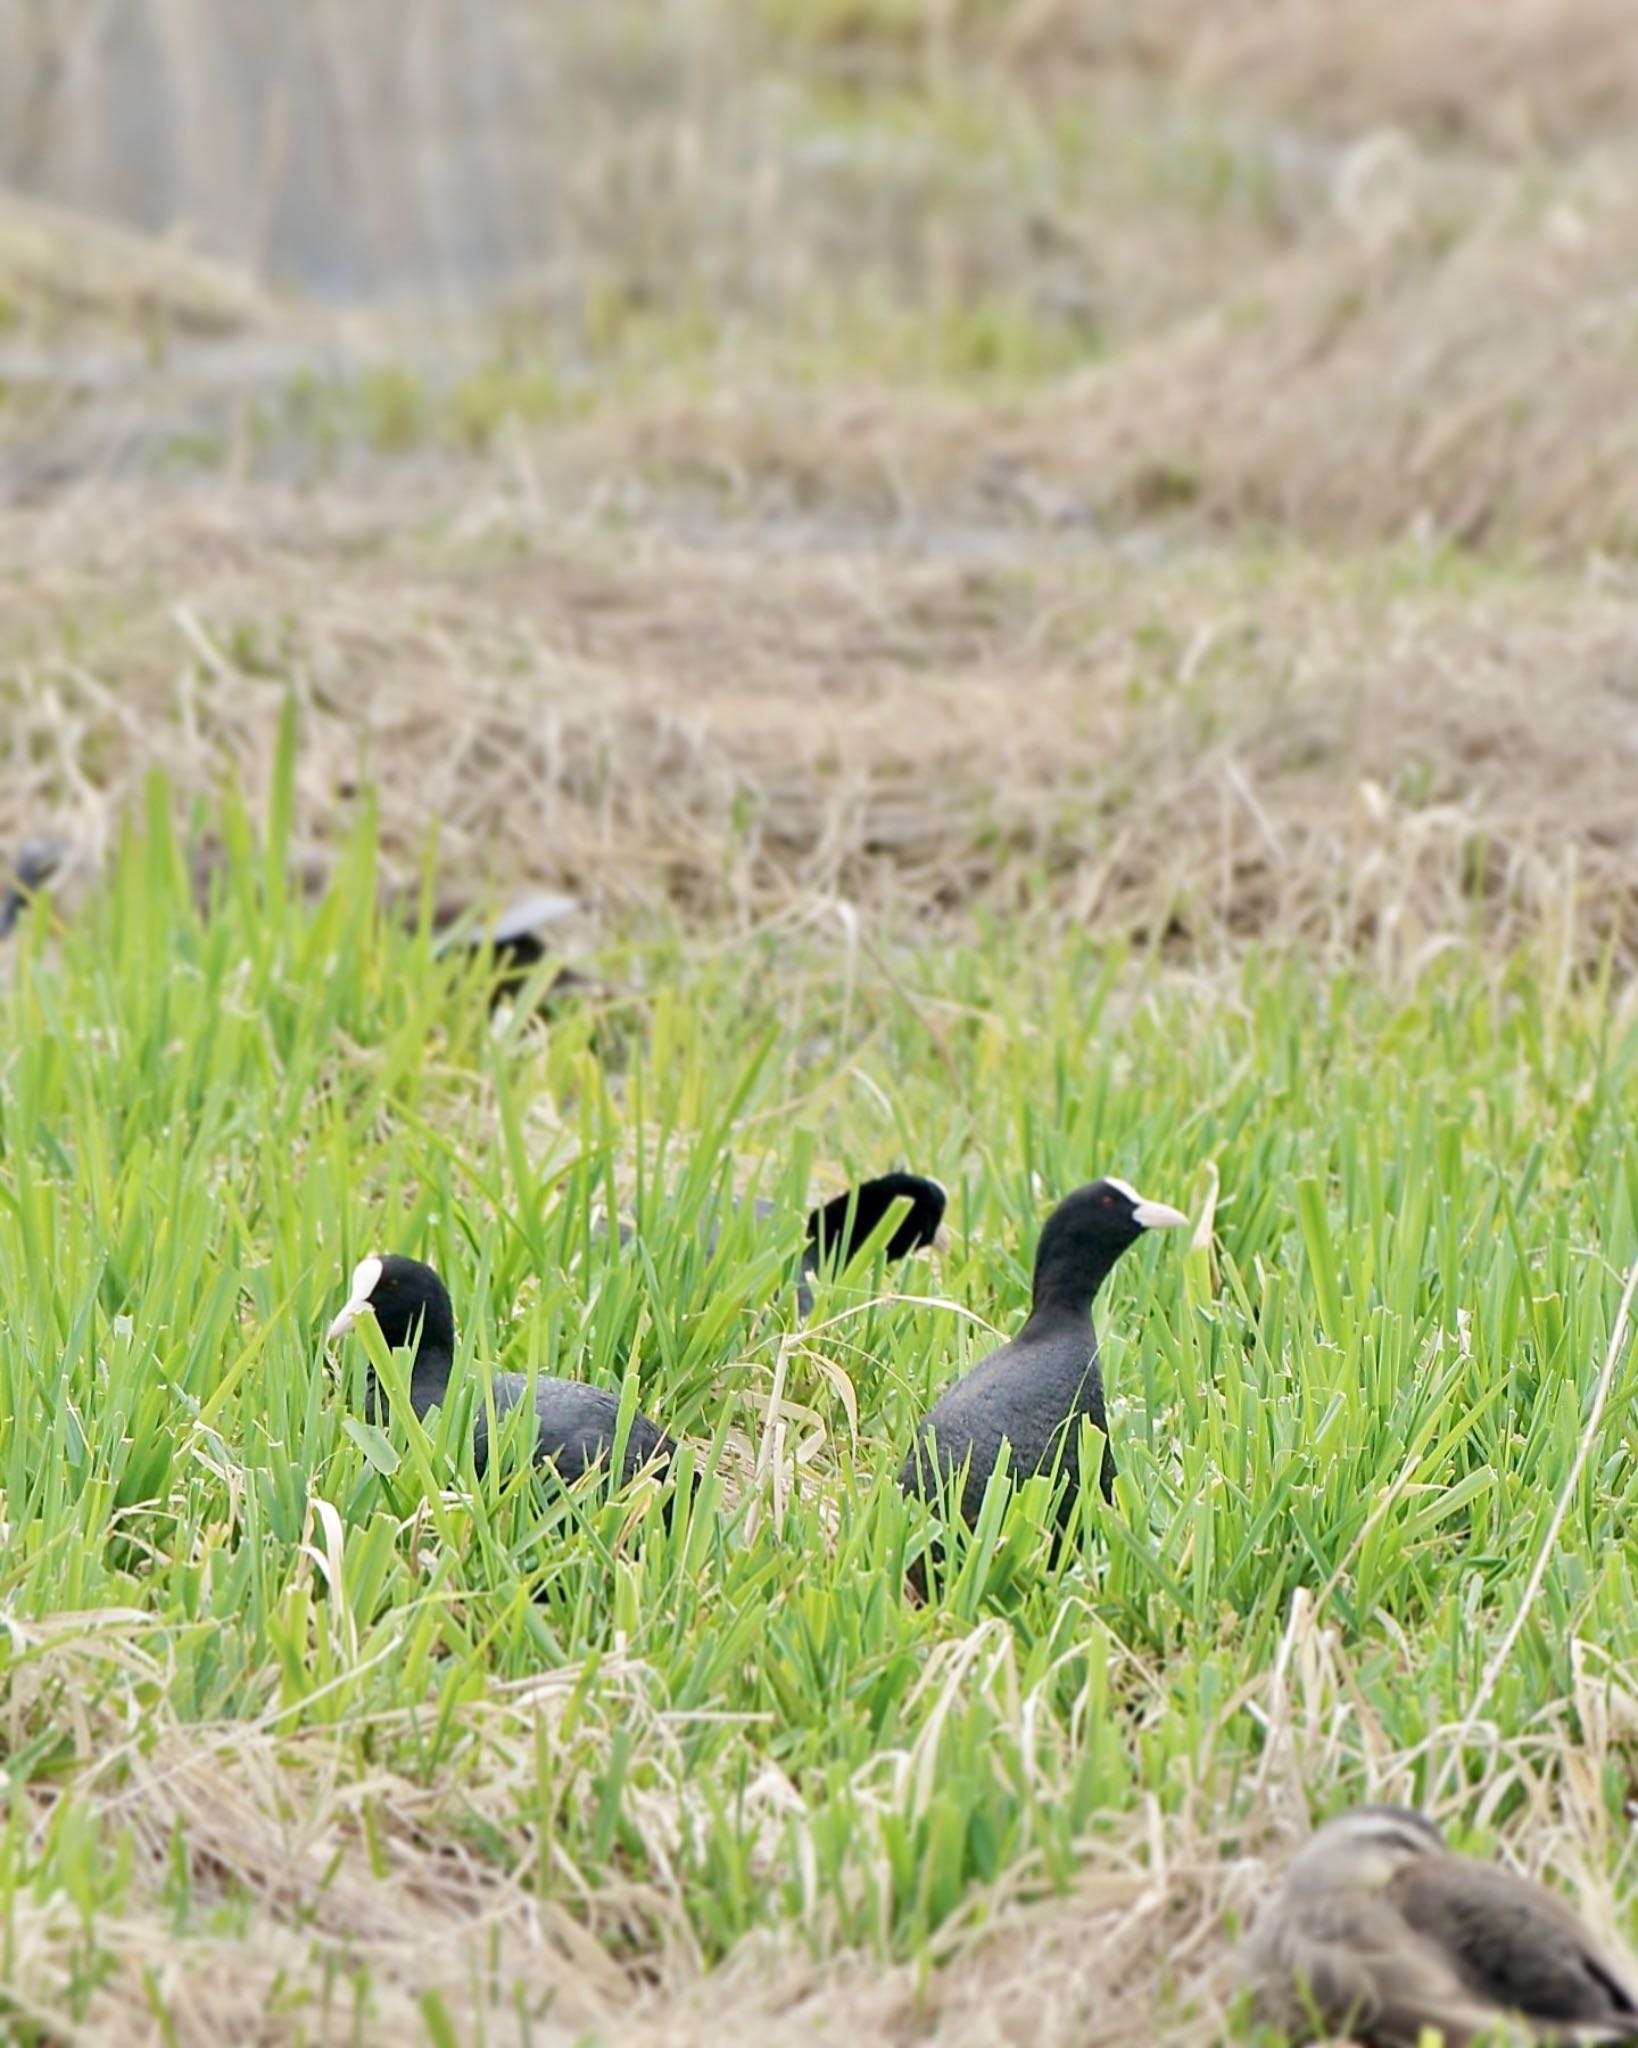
(1378, 1931)
(39, 862)
(575, 1422)
(840, 1228)
(1032, 1392)
(517, 945)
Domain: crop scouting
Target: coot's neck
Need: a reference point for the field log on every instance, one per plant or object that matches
(429, 1377)
(430, 1368)
(1065, 1288)
(843, 1224)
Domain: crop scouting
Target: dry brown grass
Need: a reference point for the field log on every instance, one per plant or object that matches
(59, 260)
(1496, 74)
(1352, 758)
(1444, 353)
(327, 1879)
(1469, 377)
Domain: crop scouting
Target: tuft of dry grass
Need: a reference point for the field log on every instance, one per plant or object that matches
(70, 268)
(1506, 75)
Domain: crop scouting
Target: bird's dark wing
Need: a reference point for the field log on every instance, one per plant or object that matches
(1518, 1945)
(1344, 1963)
(575, 1426)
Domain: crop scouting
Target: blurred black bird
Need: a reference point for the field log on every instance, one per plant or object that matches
(516, 938)
(39, 862)
(517, 944)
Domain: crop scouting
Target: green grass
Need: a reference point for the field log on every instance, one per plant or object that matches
(1373, 1391)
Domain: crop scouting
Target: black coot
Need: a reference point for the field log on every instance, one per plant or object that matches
(837, 1229)
(840, 1227)
(1032, 1393)
(575, 1422)
(39, 863)
(518, 941)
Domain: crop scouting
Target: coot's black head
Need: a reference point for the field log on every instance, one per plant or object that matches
(837, 1230)
(1086, 1234)
(402, 1295)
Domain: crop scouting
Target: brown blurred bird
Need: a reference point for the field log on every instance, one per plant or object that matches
(1379, 1931)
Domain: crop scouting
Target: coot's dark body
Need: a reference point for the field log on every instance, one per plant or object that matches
(1033, 1392)
(575, 1423)
(575, 1427)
